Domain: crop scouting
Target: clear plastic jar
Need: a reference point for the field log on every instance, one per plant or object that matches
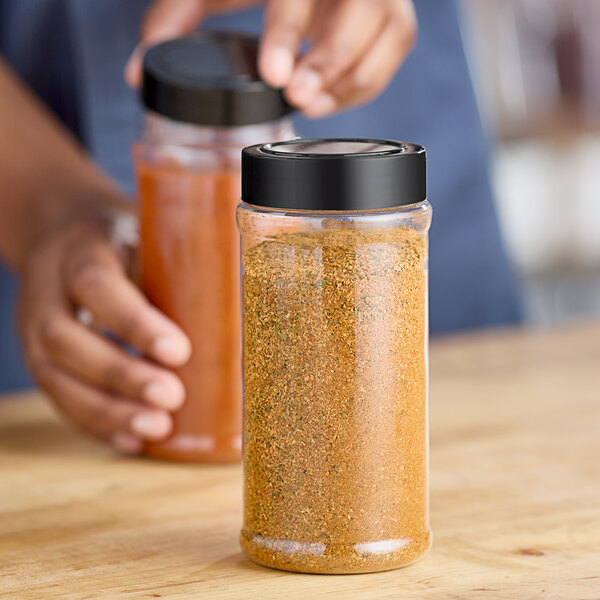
(188, 175)
(335, 355)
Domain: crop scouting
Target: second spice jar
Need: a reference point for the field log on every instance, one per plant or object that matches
(205, 102)
(334, 260)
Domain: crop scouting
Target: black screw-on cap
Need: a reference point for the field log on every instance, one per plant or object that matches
(210, 79)
(334, 174)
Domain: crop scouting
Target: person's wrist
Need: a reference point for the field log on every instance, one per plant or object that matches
(76, 211)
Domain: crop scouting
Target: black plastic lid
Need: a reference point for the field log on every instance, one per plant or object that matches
(334, 174)
(210, 79)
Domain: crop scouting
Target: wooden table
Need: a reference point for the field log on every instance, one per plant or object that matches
(515, 495)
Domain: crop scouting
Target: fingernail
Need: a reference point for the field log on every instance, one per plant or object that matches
(152, 426)
(126, 443)
(163, 396)
(170, 352)
(279, 65)
(322, 105)
(304, 86)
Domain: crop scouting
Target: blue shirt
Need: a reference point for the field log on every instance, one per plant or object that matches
(430, 101)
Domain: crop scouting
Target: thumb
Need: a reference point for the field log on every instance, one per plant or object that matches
(164, 20)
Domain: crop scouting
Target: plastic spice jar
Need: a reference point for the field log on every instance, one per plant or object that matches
(204, 102)
(334, 263)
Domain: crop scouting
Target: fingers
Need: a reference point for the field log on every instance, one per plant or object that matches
(94, 279)
(286, 22)
(94, 360)
(370, 76)
(358, 47)
(120, 422)
(165, 19)
(118, 398)
(350, 29)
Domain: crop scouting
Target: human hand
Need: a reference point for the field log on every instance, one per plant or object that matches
(119, 398)
(356, 45)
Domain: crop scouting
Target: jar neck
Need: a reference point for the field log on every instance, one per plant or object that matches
(162, 130)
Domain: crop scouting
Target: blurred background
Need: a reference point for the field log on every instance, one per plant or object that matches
(536, 69)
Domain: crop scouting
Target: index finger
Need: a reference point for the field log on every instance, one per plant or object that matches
(347, 33)
(96, 280)
(286, 22)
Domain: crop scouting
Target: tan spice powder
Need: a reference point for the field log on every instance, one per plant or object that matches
(335, 400)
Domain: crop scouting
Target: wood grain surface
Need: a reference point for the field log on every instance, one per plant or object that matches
(515, 495)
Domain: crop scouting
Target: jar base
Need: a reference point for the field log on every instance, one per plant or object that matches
(195, 448)
(334, 559)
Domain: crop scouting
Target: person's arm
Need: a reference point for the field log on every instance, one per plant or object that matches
(45, 177)
(356, 45)
(56, 215)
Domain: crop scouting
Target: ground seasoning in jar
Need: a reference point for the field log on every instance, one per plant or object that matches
(335, 388)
